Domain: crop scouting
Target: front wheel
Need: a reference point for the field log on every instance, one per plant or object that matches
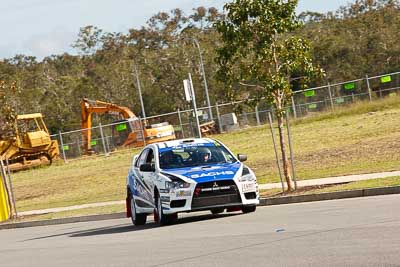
(137, 218)
(248, 209)
(162, 219)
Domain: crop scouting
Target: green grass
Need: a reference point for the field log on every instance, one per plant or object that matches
(90, 180)
(362, 138)
(373, 183)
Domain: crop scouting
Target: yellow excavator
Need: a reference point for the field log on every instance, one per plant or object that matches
(129, 132)
(31, 145)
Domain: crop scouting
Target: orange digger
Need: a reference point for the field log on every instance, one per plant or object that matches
(130, 130)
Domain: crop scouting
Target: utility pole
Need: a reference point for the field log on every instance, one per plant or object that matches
(204, 78)
(191, 96)
(140, 91)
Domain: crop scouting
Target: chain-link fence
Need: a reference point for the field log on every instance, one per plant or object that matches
(100, 140)
(332, 95)
(110, 138)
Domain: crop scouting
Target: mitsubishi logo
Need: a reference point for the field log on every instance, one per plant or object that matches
(215, 185)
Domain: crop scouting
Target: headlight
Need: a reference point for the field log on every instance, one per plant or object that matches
(176, 185)
(247, 176)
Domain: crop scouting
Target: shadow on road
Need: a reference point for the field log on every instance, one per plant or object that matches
(131, 228)
(128, 227)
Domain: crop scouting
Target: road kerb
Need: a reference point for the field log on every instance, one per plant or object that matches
(263, 202)
(330, 196)
(88, 218)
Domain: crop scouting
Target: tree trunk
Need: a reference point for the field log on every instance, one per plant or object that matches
(286, 168)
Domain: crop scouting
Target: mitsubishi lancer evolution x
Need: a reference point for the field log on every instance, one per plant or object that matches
(188, 175)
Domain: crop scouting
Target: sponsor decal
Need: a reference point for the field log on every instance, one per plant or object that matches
(248, 187)
(211, 174)
(181, 146)
(183, 193)
(140, 190)
(215, 188)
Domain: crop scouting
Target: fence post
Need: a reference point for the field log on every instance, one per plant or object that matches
(180, 122)
(291, 151)
(369, 88)
(257, 116)
(294, 108)
(219, 118)
(79, 147)
(108, 144)
(102, 140)
(276, 152)
(142, 130)
(330, 95)
(11, 188)
(62, 147)
(245, 118)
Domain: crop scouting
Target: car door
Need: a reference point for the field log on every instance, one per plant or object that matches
(149, 177)
(144, 191)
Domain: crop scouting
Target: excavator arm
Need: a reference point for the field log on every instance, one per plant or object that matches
(88, 107)
(137, 137)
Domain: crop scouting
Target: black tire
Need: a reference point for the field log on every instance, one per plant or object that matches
(137, 218)
(217, 210)
(248, 209)
(160, 218)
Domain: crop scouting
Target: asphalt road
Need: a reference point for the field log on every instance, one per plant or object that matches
(351, 232)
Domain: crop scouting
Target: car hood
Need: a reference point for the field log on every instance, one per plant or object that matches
(208, 173)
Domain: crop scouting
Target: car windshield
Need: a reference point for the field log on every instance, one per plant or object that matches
(192, 156)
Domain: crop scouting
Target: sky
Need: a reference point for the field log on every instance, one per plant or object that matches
(42, 28)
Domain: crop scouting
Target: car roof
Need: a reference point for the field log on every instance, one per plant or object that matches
(179, 142)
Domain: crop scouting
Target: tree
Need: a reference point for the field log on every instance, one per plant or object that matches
(89, 39)
(8, 104)
(259, 52)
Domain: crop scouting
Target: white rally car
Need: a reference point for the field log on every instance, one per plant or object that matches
(188, 175)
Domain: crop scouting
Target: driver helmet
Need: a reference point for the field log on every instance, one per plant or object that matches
(203, 152)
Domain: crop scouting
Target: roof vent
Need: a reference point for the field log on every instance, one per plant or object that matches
(188, 141)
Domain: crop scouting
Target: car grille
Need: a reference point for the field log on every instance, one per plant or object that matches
(217, 193)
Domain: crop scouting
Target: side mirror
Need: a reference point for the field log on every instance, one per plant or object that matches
(242, 157)
(147, 167)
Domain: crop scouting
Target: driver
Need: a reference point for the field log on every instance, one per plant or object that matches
(204, 154)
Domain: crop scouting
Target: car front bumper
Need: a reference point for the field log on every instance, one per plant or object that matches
(207, 196)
